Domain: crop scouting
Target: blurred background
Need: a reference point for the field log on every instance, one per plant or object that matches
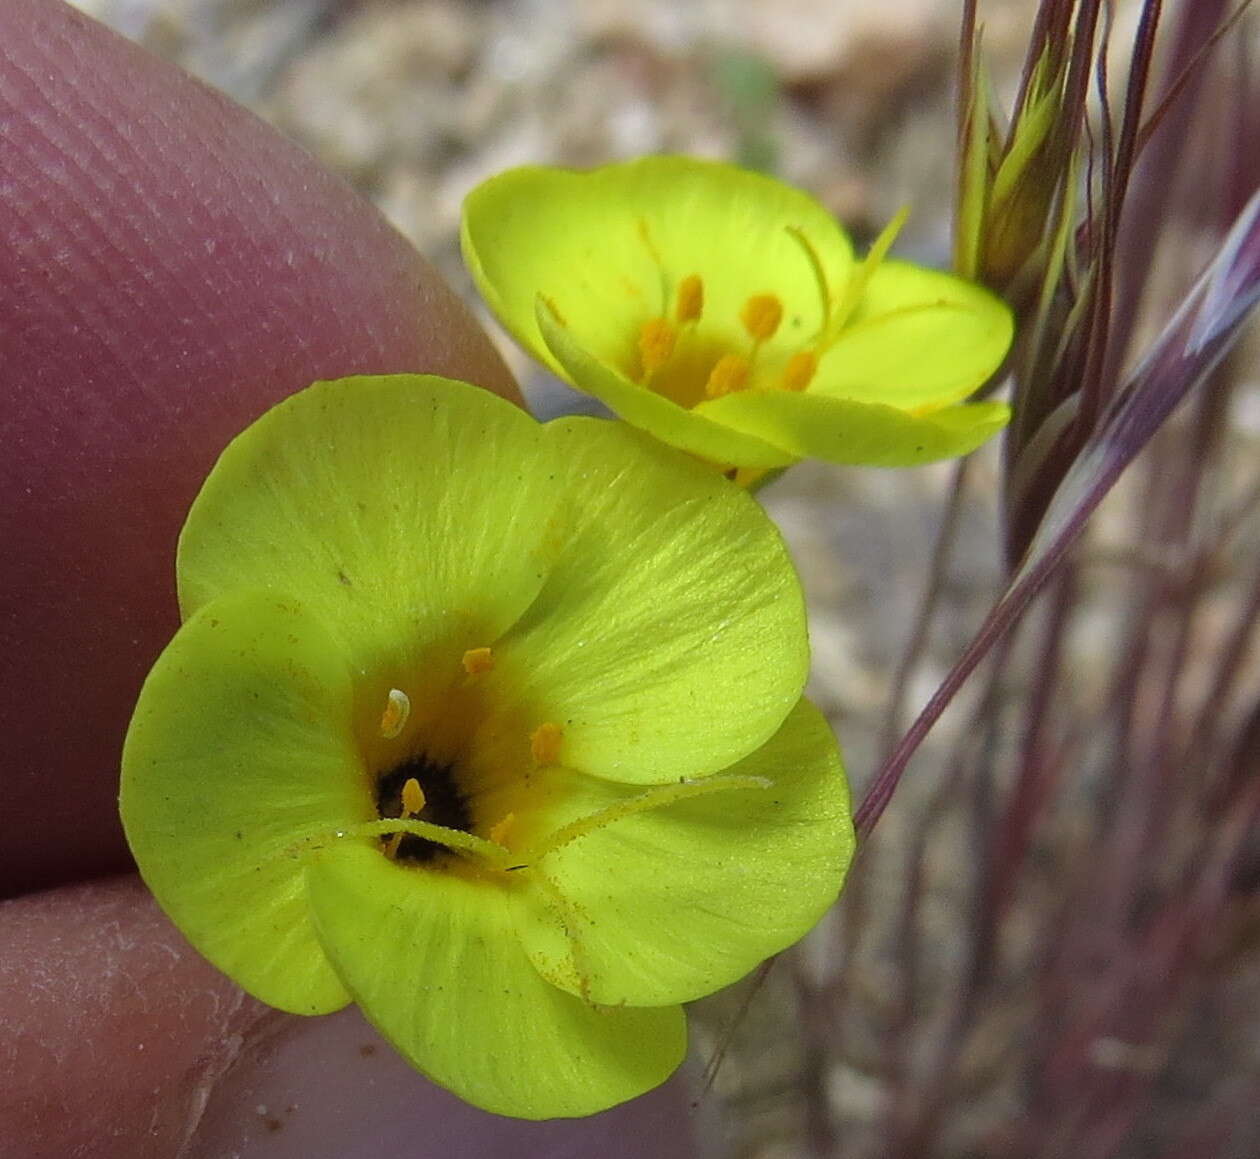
(1050, 944)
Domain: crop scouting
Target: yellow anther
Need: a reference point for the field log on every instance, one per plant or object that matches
(397, 709)
(501, 828)
(799, 371)
(690, 300)
(761, 316)
(478, 660)
(544, 743)
(729, 373)
(656, 344)
(412, 797)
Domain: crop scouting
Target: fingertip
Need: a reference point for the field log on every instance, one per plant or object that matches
(113, 1026)
(170, 268)
(120, 1042)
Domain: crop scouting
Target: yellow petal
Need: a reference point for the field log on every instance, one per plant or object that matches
(704, 888)
(414, 516)
(687, 430)
(611, 248)
(240, 753)
(434, 961)
(918, 338)
(870, 434)
(670, 639)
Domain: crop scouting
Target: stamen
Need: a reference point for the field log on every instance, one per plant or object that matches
(455, 840)
(729, 373)
(570, 923)
(656, 344)
(412, 803)
(799, 371)
(544, 743)
(690, 300)
(501, 828)
(412, 797)
(654, 798)
(645, 236)
(394, 718)
(478, 660)
(820, 275)
(761, 316)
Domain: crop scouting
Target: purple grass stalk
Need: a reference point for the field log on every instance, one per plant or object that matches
(1243, 170)
(1161, 160)
(1205, 734)
(1184, 592)
(1120, 961)
(917, 1107)
(1008, 840)
(1212, 1128)
(1155, 973)
(1140, 774)
(1083, 376)
(906, 1107)
(1132, 995)
(916, 645)
(1195, 340)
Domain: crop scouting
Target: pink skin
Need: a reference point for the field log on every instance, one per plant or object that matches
(169, 268)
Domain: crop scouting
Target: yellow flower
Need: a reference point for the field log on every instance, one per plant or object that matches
(724, 312)
(493, 728)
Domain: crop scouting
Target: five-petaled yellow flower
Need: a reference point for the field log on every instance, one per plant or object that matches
(493, 728)
(725, 313)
